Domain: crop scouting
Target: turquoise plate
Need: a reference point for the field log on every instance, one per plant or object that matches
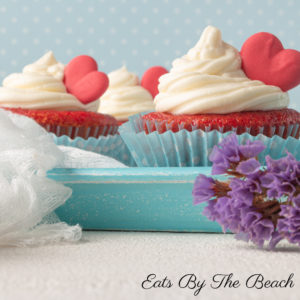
(144, 199)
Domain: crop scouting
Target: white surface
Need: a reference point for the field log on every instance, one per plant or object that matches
(112, 265)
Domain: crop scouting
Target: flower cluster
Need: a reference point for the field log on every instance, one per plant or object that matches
(259, 203)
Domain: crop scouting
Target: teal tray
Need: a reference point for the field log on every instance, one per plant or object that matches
(143, 199)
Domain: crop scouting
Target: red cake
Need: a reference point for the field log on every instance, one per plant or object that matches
(269, 123)
(72, 123)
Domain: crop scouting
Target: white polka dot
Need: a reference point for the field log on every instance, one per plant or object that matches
(270, 22)
(229, 22)
(166, 42)
(177, 31)
(198, 11)
(14, 41)
(134, 52)
(113, 52)
(208, 21)
(250, 22)
(112, 10)
(91, 30)
(25, 52)
(36, 41)
(57, 41)
(134, 30)
(113, 30)
(155, 10)
(177, 52)
(123, 20)
(291, 44)
(3, 52)
(14, 62)
(219, 12)
(280, 12)
(176, 10)
(3, 30)
(155, 52)
(166, 21)
(101, 20)
(188, 42)
(58, 20)
(69, 51)
(145, 42)
(14, 20)
(134, 10)
(188, 21)
(123, 41)
(79, 41)
(239, 12)
(91, 52)
(291, 23)
(291, 3)
(2, 73)
(47, 9)
(101, 41)
(25, 30)
(3, 9)
(228, 2)
(145, 63)
(155, 31)
(91, 9)
(69, 30)
(145, 20)
(260, 12)
(36, 20)
(80, 20)
(25, 9)
(47, 30)
(240, 32)
(69, 9)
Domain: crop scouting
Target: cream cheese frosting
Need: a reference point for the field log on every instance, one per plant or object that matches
(209, 79)
(40, 86)
(124, 96)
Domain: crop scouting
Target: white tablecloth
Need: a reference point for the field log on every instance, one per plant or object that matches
(113, 265)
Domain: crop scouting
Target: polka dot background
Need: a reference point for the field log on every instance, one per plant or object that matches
(138, 33)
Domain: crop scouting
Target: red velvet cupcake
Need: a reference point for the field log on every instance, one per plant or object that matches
(72, 123)
(283, 122)
(61, 99)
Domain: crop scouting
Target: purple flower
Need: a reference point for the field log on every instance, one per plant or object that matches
(289, 224)
(252, 149)
(283, 176)
(249, 167)
(229, 151)
(257, 204)
(203, 189)
(224, 154)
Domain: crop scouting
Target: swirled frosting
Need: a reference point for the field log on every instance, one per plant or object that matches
(209, 79)
(40, 86)
(124, 96)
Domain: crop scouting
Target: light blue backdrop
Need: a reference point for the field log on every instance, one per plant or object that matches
(138, 33)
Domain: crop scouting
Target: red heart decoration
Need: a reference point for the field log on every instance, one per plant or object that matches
(150, 79)
(82, 79)
(265, 59)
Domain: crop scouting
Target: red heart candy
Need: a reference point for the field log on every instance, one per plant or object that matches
(150, 79)
(265, 59)
(82, 79)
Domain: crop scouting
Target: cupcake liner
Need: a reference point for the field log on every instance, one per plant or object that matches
(83, 132)
(110, 145)
(192, 148)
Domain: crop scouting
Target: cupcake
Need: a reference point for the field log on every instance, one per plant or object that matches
(207, 89)
(125, 96)
(206, 95)
(39, 92)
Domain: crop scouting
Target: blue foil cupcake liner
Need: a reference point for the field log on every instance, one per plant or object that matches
(111, 145)
(191, 148)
